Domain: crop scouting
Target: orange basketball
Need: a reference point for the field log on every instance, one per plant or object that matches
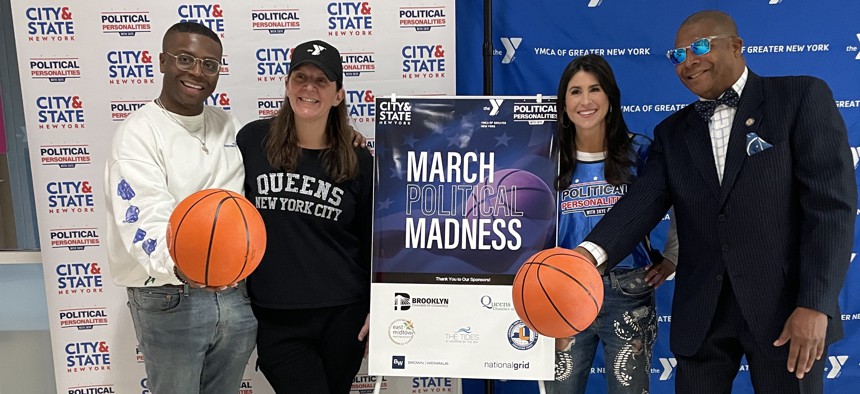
(557, 292)
(216, 237)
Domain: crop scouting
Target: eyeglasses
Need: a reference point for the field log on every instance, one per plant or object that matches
(699, 47)
(210, 67)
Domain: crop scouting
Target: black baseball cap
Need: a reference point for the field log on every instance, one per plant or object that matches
(322, 55)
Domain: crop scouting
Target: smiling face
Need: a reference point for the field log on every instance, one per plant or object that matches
(184, 92)
(709, 75)
(312, 95)
(586, 103)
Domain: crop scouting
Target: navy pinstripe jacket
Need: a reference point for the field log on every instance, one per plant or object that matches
(781, 225)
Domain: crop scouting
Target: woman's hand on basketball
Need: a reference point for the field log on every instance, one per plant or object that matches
(656, 274)
(365, 329)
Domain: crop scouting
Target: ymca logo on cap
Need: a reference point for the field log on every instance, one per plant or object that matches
(322, 55)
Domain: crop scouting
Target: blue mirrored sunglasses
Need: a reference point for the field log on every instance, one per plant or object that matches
(699, 47)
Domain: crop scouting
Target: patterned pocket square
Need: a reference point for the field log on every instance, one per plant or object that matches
(755, 144)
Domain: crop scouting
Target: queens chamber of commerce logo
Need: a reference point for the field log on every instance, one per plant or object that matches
(520, 336)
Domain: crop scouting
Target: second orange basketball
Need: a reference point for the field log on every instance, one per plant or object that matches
(557, 292)
(216, 237)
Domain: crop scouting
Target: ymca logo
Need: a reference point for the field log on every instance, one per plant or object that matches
(496, 106)
(772, 2)
(836, 364)
(594, 3)
(511, 44)
(669, 365)
(857, 58)
(317, 50)
(855, 154)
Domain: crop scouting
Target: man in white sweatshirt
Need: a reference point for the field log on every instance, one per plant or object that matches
(194, 339)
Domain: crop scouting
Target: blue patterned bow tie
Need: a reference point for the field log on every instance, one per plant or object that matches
(706, 108)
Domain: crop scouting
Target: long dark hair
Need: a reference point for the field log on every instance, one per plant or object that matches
(282, 142)
(619, 155)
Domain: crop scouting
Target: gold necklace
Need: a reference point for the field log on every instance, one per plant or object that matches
(202, 141)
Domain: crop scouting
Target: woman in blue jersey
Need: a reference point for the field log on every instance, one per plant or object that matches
(600, 158)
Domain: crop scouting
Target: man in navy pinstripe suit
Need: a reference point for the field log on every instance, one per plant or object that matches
(765, 198)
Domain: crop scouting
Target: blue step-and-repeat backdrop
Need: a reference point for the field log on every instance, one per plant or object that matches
(533, 40)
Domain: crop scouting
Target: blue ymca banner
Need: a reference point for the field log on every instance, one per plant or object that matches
(533, 41)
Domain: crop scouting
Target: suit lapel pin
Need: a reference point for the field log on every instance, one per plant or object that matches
(750, 122)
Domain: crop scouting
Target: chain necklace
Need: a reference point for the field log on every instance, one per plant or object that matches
(202, 141)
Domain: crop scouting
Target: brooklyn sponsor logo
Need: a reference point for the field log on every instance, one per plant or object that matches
(422, 18)
(273, 64)
(209, 15)
(357, 63)
(348, 18)
(521, 337)
(70, 197)
(534, 113)
(60, 112)
(74, 238)
(49, 24)
(130, 67)
(268, 106)
(276, 21)
(55, 69)
(423, 62)
(96, 389)
(488, 302)
(462, 335)
(401, 331)
(121, 109)
(83, 318)
(87, 356)
(403, 302)
(64, 156)
(395, 112)
(511, 365)
(79, 278)
(219, 99)
(125, 23)
(361, 105)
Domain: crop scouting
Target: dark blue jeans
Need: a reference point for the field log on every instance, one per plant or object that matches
(627, 326)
